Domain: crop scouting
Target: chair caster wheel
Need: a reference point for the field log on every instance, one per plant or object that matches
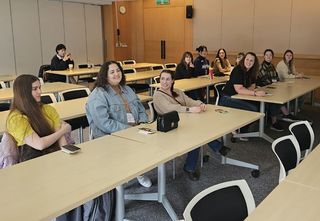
(255, 173)
(233, 140)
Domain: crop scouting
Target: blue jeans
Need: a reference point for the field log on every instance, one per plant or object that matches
(227, 101)
(192, 158)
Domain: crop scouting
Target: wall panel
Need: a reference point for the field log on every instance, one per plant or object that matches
(271, 27)
(75, 32)
(6, 42)
(51, 28)
(94, 33)
(25, 21)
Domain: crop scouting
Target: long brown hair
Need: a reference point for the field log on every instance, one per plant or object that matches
(103, 74)
(24, 102)
(253, 70)
(174, 94)
(186, 54)
(290, 64)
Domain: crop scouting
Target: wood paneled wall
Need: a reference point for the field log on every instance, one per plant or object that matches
(31, 29)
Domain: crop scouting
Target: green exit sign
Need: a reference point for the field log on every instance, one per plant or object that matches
(162, 2)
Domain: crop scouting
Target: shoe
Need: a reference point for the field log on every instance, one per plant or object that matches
(290, 118)
(144, 181)
(224, 150)
(276, 127)
(193, 175)
(205, 158)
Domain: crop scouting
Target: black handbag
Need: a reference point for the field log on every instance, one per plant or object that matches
(168, 121)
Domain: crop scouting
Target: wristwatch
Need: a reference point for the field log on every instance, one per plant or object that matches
(187, 109)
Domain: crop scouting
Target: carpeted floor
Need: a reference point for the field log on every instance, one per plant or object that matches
(181, 190)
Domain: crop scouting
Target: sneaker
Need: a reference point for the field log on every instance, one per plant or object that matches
(276, 127)
(289, 118)
(144, 181)
(224, 150)
(193, 175)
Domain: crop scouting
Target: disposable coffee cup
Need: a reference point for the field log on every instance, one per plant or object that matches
(70, 66)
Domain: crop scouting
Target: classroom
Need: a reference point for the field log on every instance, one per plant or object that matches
(130, 64)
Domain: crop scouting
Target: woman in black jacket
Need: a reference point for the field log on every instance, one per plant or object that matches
(185, 68)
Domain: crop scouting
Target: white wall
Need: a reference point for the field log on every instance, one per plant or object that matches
(31, 29)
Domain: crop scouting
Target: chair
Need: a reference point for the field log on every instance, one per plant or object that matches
(218, 89)
(157, 67)
(4, 106)
(170, 65)
(129, 62)
(41, 80)
(42, 70)
(119, 62)
(2, 85)
(48, 98)
(85, 78)
(137, 87)
(288, 154)
(304, 134)
(156, 79)
(231, 200)
(80, 122)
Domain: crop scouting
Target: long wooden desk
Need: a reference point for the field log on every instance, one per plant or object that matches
(8, 78)
(196, 83)
(194, 130)
(279, 93)
(295, 198)
(66, 109)
(7, 93)
(138, 66)
(48, 186)
(75, 72)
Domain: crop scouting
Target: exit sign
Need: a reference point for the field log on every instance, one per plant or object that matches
(162, 2)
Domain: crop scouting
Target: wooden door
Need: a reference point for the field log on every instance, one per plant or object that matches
(164, 24)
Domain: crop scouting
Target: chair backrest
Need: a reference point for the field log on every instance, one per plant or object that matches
(48, 98)
(156, 79)
(42, 69)
(304, 134)
(231, 200)
(119, 62)
(170, 65)
(129, 62)
(41, 80)
(74, 94)
(288, 154)
(157, 67)
(129, 71)
(2, 85)
(218, 89)
(4, 106)
(153, 112)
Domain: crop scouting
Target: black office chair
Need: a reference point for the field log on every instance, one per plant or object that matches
(288, 154)
(218, 91)
(157, 67)
(128, 62)
(80, 122)
(304, 134)
(170, 65)
(85, 78)
(48, 98)
(137, 87)
(4, 106)
(42, 70)
(2, 85)
(232, 201)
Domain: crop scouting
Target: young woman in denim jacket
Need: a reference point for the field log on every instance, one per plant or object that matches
(113, 106)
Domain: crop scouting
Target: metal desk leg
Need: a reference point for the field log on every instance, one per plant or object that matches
(296, 106)
(312, 98)
(208, 94)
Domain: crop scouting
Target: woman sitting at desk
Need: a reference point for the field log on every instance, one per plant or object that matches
(221, 64)
(36, 127)
(185, 68)
(242, 81)
(168, 99)
(113, 106)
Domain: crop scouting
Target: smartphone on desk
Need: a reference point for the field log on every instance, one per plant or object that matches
(70, 149)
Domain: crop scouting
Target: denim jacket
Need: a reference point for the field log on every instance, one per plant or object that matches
(106, 112)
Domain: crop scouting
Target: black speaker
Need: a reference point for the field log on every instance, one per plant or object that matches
(189, 11)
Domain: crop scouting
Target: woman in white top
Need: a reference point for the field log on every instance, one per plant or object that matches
(286, 67)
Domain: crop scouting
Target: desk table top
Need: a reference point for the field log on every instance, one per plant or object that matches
(76, 72)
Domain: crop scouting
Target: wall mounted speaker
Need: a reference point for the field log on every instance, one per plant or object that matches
(189, 11)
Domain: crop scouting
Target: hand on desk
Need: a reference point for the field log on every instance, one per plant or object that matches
(260, 93)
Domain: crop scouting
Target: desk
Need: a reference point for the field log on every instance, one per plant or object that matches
(288, 202)
(7, 93)
(281, 93)
(189, 84)
(48, 186)
(202, 128)
(8, 78)
(307, 172)
(140, 66)
(75, 72)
